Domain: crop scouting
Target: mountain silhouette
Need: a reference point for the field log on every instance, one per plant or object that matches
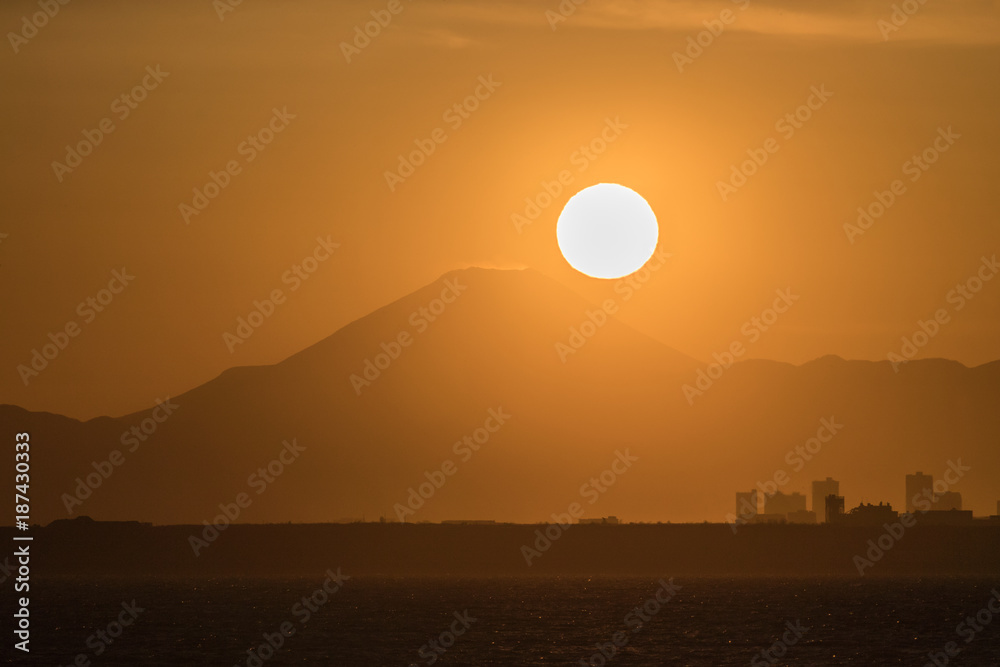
(356, 437)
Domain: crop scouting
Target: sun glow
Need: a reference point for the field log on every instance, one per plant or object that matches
(607, 231)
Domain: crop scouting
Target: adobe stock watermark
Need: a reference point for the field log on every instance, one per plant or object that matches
(122, 107)
(967, 630)
(88, 310)
(753, 329)
(248, 149)
(421, 319)
(915, 167)
(465, 448)
(634, 621)
(797, 457)
(773, 654)
(301, 611)
(696, 44)
(134, 436)
(957, 297)
(259, 481)
(30, 25)
(455, 116)
(581, 159)
(594, 320)
(786, 126)
(101, 640)
(365, 32)
(432, 651)
(294, 277)
(591, 491)
(565, 9)
(899, 17)
(223, 7)
(922, 502)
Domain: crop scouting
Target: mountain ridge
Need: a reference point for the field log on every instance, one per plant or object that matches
(493, 347)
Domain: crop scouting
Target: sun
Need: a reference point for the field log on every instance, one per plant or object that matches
(607, 231)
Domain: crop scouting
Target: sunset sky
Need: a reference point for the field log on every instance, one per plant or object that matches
(604, 76)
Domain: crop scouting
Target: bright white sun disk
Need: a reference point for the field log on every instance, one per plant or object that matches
(607, 231)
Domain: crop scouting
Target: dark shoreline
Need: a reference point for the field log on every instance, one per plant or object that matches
(74, 548)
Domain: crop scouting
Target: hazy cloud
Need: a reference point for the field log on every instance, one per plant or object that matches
(955, 21)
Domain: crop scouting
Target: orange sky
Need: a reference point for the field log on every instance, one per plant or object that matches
(341, 125)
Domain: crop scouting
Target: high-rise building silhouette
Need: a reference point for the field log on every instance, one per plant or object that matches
(820, 490)
(834, 505)
(918, 485)
(949, 500)
(784, 503)
(746, 505)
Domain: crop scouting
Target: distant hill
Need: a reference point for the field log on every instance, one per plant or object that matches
(82, 548)
(494, 347)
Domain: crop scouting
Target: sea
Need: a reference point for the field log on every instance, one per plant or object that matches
(565, 620)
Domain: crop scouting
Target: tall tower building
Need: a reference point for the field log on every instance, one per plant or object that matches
(822, 489)
(834, 508)
(917, 485)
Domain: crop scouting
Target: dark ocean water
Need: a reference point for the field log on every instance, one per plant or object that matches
(518, 621)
